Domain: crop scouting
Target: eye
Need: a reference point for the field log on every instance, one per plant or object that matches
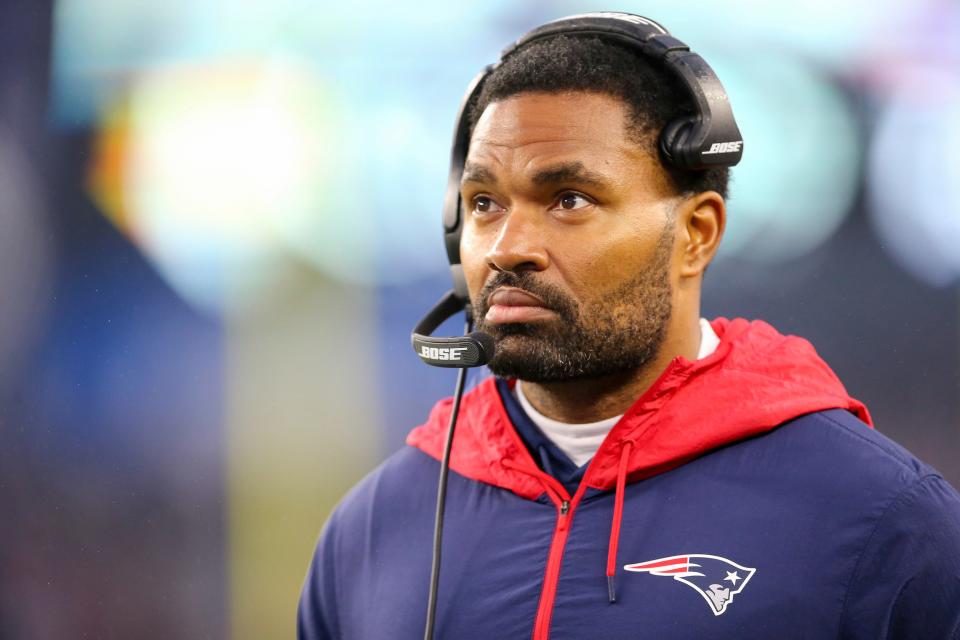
(486, 204)
(571, 201)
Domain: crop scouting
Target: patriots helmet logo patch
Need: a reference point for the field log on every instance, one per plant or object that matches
(716, 579)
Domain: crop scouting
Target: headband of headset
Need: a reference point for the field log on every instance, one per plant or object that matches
(707, 138)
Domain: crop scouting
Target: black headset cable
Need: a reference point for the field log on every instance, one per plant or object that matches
(442, 500)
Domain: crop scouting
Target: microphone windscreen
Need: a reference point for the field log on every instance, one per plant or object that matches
(488, 345)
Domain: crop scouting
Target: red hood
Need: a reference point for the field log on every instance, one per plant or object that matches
(756, 380)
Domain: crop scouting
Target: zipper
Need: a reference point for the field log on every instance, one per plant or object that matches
(565, 510)
(566, 506)
(541, 628)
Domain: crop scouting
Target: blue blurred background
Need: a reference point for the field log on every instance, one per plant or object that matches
(219, 221)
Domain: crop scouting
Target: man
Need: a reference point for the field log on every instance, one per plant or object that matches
(632, 470)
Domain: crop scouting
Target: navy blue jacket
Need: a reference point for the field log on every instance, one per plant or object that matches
(814, 526)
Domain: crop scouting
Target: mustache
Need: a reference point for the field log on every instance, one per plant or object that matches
(553, 297)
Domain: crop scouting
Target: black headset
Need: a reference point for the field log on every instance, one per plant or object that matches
(705, 139)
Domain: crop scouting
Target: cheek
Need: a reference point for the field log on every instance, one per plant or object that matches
(603, 265)
(605, 260)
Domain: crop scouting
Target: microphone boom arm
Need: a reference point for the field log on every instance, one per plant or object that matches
(472, 350)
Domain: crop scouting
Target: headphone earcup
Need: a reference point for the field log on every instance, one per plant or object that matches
(673, 141)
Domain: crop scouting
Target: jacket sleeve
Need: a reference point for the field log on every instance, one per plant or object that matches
(907, 581)
(317, 611)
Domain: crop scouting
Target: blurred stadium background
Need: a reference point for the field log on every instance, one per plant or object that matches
(219, 221)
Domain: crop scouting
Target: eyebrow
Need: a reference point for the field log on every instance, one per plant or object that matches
(569, 172)
(473, 172)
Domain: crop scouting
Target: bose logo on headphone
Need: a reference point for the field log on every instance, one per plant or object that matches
(723, 147)
(442, 353)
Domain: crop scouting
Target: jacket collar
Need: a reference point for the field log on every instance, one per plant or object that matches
(756, 380)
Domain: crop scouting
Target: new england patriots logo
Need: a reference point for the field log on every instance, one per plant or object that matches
(716, 579)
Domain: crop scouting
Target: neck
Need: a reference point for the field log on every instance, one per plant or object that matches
(591, 400)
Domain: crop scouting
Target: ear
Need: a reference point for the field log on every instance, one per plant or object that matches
(702, 219)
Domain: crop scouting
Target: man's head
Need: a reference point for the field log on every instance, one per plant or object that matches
(580, 249)
(577, 63)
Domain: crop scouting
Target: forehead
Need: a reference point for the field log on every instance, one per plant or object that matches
(527, 131)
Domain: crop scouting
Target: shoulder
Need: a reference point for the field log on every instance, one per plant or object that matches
(889, 520)
(403, 483)
(830, 468)
(377, 519)
(876, 447)
(852, 458)
(915, 499)
(905, 580)
(377, 504)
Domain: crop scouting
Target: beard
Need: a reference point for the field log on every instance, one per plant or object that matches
(620, 331)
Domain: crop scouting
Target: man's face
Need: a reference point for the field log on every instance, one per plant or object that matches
(568, 234)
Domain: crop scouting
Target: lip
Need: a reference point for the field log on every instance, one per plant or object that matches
(509, 305)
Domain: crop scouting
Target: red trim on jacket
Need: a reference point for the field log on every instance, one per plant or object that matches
(756, 380)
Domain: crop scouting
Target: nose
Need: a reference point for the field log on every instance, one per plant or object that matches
(520, 244)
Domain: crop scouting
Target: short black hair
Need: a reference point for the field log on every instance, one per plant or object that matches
(565, 63)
